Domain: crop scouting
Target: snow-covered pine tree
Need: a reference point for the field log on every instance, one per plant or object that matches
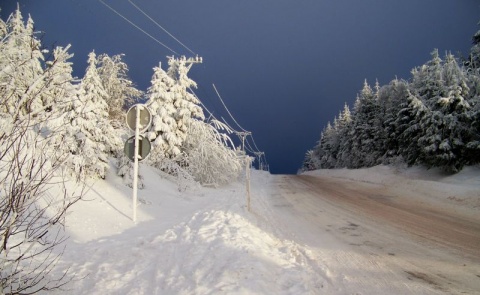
(326, 148)
(364, 151)
(3, 28)
(409, 127)
(91, 136)
(427, 80)
(60, 94)
(473, 61)
(21, 71)
(120, 89)
(165, 141)
(447, 127)
(309, 162)
(391, 98)
(187, 105)
(173, 109)
(344, 128)
(472, 152)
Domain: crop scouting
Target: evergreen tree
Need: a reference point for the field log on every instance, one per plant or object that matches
(186, 104)
(409, 128)
(447, 127)
(344, 125)
(391, 98)
(120, 89)
(166, 142)
(326, 148)
(173, 107)
(473, 61)
(91, 137)
(365, 129)
(21, 71)
(60, 96)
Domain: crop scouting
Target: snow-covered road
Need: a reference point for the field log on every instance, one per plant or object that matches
(369, 231)
(379, 236)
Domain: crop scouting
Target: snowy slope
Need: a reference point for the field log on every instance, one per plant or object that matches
(204, 240)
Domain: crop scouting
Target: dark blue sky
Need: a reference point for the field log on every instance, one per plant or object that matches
(284, 68)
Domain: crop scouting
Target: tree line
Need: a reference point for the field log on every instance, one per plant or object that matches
(433, 120)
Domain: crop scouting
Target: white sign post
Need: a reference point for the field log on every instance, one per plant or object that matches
(138, 119)
(247, 179)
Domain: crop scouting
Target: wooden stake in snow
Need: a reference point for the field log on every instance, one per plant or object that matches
(248, 166)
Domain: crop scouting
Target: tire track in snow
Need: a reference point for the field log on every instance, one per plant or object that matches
(291, 207)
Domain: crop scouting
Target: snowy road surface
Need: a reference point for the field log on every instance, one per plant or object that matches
(386, 228)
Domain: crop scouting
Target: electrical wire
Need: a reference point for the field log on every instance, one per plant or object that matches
(248, 147)
(140, 29)
(158, 25)
(227, 109)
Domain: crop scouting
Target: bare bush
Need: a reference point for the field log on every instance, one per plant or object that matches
(31, 217)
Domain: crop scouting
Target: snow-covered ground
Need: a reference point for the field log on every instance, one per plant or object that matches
(205, 241)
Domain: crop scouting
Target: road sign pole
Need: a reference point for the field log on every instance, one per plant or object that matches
(135, 163)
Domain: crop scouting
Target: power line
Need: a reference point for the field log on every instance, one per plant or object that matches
(242, 135)
(227, 109)
(130, 22)
(158, 25)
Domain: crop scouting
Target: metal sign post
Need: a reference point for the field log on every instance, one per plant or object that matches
(138, 119)
(135, 164)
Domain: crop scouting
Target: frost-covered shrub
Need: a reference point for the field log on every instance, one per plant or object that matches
(173, 169)
(208, 156)
(125, 170)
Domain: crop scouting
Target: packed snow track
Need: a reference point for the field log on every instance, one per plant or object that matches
(382, 227)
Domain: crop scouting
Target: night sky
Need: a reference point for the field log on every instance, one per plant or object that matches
(284, 68)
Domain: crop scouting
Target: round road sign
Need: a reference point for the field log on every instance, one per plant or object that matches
(144, 147)
(145, 117)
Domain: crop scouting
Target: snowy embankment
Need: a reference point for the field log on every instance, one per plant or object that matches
(459, 191)
(204, 240)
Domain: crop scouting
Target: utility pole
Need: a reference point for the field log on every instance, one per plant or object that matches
(259, 155)
(189, 61)
(242, 136)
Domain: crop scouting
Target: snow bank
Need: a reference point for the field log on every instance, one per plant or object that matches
(460, 191)
(202, 241)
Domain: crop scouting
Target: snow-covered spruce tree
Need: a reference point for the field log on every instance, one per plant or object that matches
(473, 60)
(391, 98)
(409, 128)
(365, 129)
(21, 67)
(120, 89)
(173, 109)
(472, 152)
(91, 137)
(163, 131)
(30, 216)
(309, 162)
(186, 104)
(447, 127)
(326, 148)
(344, 127)
(207, 153)
(64, 93)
